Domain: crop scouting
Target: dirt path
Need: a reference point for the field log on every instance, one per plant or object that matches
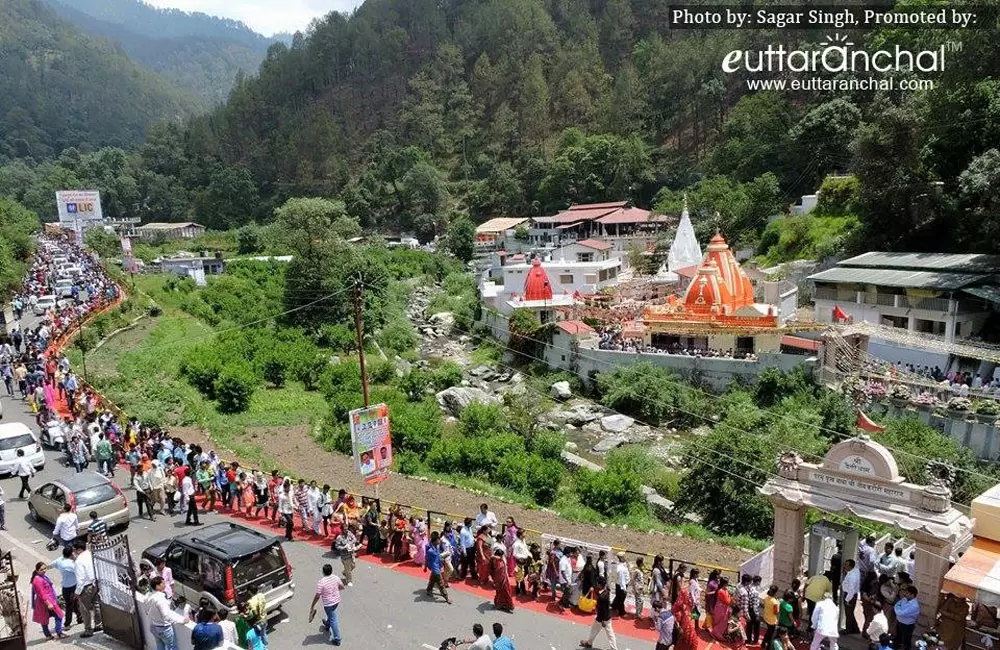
(292, 449)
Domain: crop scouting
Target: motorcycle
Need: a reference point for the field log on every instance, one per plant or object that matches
(54, 434)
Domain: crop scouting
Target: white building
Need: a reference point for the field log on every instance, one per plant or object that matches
(185, 230)
(685, 251)
(938, 296)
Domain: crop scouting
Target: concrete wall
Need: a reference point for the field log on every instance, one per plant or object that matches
(982, 438)
(894, 353)
(715, 372)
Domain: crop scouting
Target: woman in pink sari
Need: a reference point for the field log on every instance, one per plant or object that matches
(509, 537)
(503, 599)
(419, 534)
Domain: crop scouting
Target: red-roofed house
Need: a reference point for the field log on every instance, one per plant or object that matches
(618, 223)
(587, 250)
(575, 327)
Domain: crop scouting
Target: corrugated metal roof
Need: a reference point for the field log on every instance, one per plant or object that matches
(896, 278)
(500, 224)
(962, 263)
(988, 292)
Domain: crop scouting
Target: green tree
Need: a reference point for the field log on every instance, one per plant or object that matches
(460, 238)
(248, 240)
(230, 200)
(103, 243)
(234, 387)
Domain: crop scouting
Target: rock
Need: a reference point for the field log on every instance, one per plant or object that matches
(503, 378)
(581, 414)
(403, 367)
(517, 378)
(617, 423)
(604, 445)
(571, 446)
(560, 390)
(576, 461)
(444, 320)
(480, 371)
(556, 415)
(593, 428)
(518, 390)
(456, 398)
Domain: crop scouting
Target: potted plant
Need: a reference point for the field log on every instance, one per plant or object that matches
(959, 407)
(925, 401)
(986, 410)
(899, 395)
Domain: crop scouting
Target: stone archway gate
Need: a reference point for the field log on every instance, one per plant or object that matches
(861, 477)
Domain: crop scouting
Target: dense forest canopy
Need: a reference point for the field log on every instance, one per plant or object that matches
(416, 112)
(60, 88)
(199, 53)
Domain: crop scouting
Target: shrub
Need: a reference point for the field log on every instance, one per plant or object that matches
(337, 435)
(340, 377)
(445, 455)
(234, 387)
(339, 337)
(666, 482)
(274, 367)
(448, 374)
(610, 493)
(381, 372)
(543, 479)
(406, 462)
(414, 384)
(248, 240)
(415, 427)
(308, 368)
(548, 445)
(482, 420)
(398, 336)
(201, 367)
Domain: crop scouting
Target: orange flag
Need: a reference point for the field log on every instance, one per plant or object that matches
(865, 423)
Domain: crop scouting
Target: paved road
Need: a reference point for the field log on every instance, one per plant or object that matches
(384, 609)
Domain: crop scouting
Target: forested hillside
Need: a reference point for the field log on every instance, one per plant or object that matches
(60, 88)
(417, 112)
(199, 53)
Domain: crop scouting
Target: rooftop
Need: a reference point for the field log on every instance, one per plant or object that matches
(227, 540)
(596, 244)
(896, 278)
(159, 225)
(500, 224)
(574, 327)
(963, 263)
(82, 481)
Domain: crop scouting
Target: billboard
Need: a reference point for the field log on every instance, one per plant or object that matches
(78, 206)
(372, 442)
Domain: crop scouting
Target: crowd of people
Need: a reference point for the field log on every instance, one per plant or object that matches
(612, 339)
(957, 382)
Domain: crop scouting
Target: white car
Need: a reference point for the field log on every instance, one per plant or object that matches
(14, 436)
(44, 304)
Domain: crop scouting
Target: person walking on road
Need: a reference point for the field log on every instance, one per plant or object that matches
(188, 496)
(432, 563)
(825, 623)
(86, 589)
(345, 546)
(104, 453)
(603, 620)
(328, 594)
(25, 470)
(67, 581)
(286, 507)
(142, 491)
(3, 510)
(621, 585)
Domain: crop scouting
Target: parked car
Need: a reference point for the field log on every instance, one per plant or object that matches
(226, 563)
(44, 304)
(14, 436)
(87, 492)
(64, 288)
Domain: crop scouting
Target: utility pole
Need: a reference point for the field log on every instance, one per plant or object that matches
(359, 287)
(359, 332)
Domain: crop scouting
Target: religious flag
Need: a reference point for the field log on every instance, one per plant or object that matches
(838, 313)
(865, 423)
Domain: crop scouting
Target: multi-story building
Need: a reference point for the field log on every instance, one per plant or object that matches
(938, 296)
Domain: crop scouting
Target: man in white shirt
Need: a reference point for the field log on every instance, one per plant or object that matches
(851, 587)
(67, 527)
(187, 494)
(825, 620)
(878, 626)
(485, 517)
(86, 590)
(622, 575)
(157, 479)
(480, 640)
(162, 616)
(566, 576)
(24, 470)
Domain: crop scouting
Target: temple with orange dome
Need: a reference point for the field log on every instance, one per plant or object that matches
(718, 311)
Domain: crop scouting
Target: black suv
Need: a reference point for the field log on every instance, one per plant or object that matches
(226, 563)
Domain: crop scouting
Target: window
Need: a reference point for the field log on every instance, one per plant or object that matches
(258, 565)
(590, 278)
(566, 278)
(95, 495)
(16, 442)
(584, 257)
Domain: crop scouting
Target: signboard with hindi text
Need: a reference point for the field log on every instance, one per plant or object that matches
(372, 442)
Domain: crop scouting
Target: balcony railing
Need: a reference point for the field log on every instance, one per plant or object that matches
(886, 300)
